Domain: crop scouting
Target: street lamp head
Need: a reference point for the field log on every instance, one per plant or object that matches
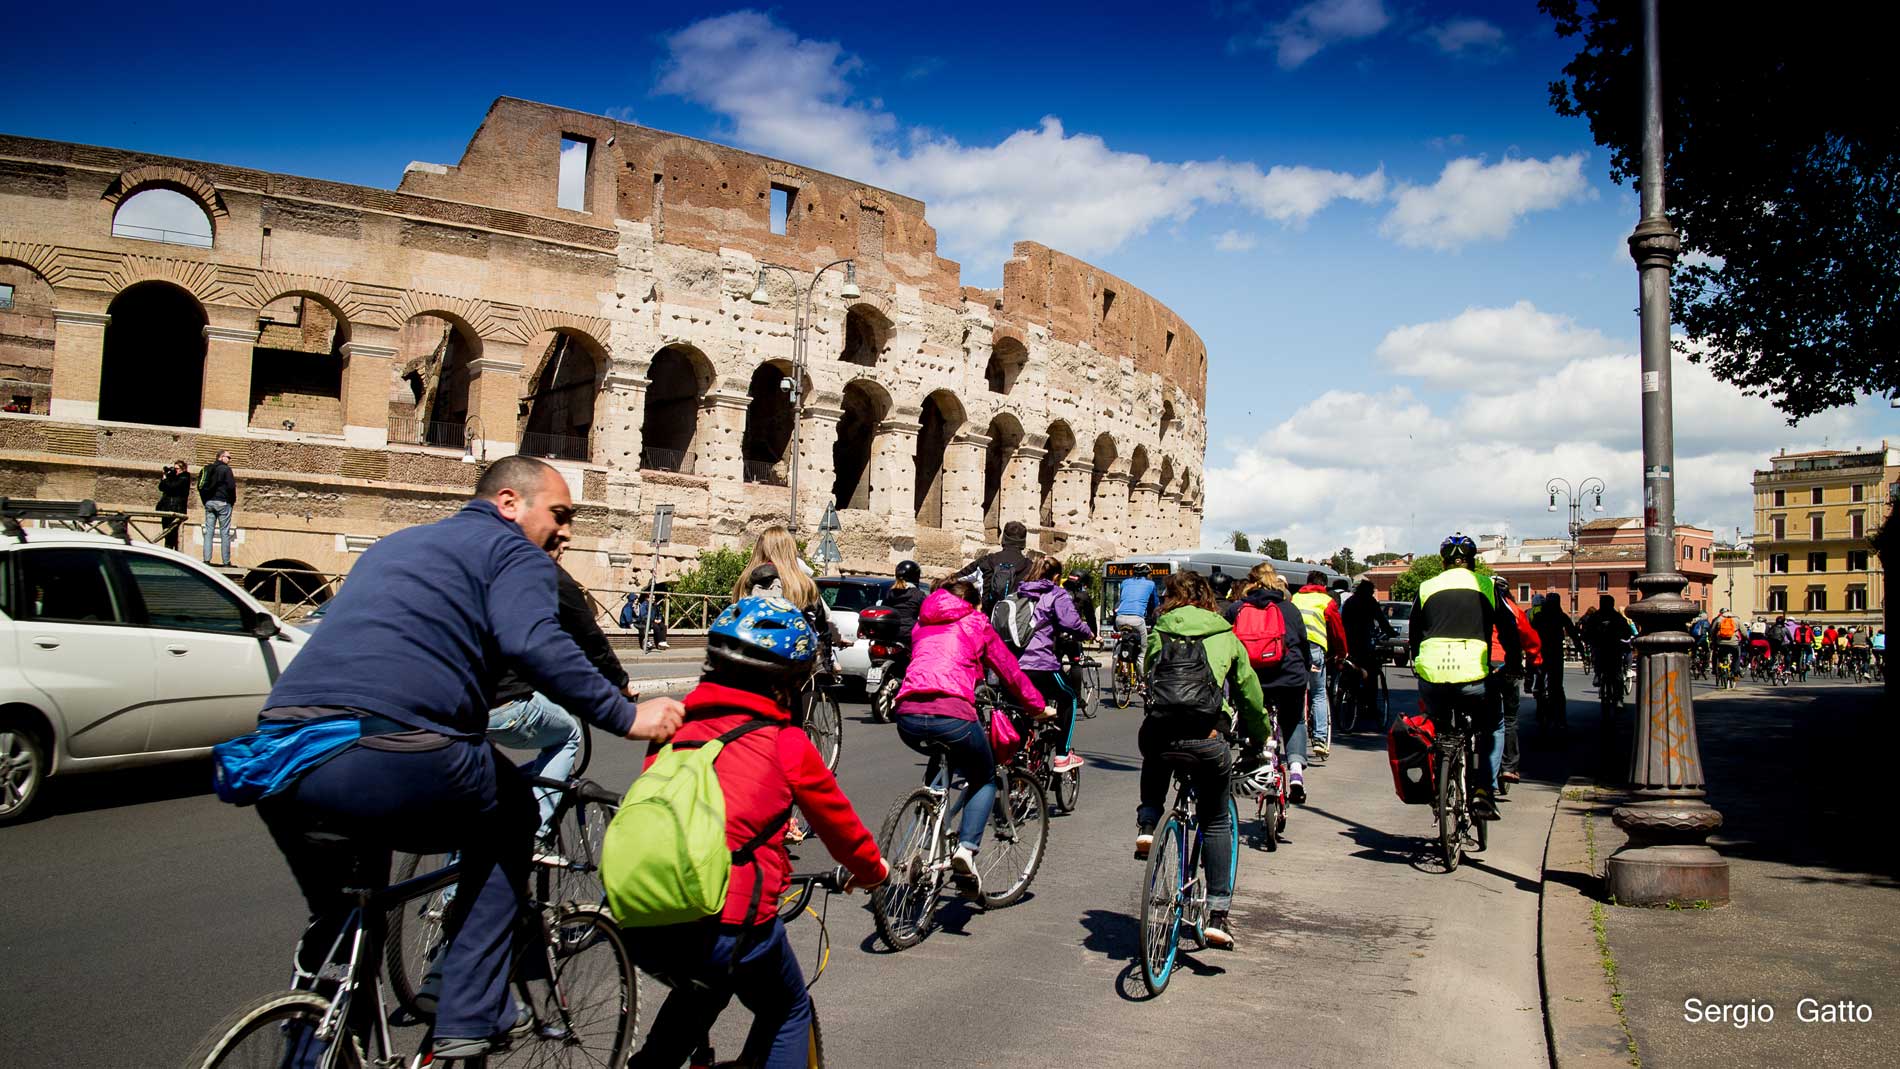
(1553, 502)
(1599, 504)
(759, 296)
(850, 292)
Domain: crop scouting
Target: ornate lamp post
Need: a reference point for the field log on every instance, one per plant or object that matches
(1593, 486)
(794, 385)
(1666, 859)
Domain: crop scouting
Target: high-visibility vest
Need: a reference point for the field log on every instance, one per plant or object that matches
(1447, 654)
(1312, 606)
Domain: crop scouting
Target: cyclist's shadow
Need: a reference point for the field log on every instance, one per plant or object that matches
(1117, 936)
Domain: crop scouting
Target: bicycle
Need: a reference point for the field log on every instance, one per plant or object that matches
(1610, 683)
(581, 1005)
(821, 717)
(1174, 889)
(796, 902)
(1128, 680)
(1086, 674)
(1725, 669)
(918, 837)
(1369, 696)
(1457, 749)
(565, 874)
(1040, 739)
(1270, 804)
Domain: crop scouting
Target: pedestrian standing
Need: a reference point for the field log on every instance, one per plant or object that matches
(217, 488)
(174, 495)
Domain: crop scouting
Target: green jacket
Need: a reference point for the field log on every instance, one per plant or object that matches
(1225, 655)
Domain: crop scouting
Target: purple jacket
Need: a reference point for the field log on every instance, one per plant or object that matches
(948, 649)
(1054, 606)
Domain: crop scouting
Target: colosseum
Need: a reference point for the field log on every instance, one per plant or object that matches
(623, 315)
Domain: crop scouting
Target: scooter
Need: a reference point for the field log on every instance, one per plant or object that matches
(890, 655)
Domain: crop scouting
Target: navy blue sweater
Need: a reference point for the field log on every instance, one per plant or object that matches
(429, 619)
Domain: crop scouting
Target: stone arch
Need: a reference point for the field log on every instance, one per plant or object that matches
(166, 176)
(27, 329)
(160, 213)
(429, 395)
(297, 364)
(768, 425)
(1138, 465)
(1166, 480)
(556, 416)
(1061, 443)
(1104, 462)
(291, 587)
(1167, 420)
(940, 418)
(867, 334)
(677, 380)
(866, 406)
(1008, 357)
(153, 366)
(1000, 458)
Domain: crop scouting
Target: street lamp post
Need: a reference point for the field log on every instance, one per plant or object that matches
(794, 386)
(1574, 497)
(1667, 859)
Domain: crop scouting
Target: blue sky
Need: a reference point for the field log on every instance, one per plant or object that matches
(1408, 270)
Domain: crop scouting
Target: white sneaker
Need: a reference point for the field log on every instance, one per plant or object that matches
(963, 862)
(1143, 843)
(663, 646)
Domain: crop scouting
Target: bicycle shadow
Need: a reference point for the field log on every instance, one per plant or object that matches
(1117, 937)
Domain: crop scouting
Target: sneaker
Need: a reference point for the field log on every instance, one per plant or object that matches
(1321, 750)
(1143, 843)
(963, 872)
(545, 853)
(1482, 805)
(1219, 931)
(1296, 785)
(448, 1047)
(664, 646)
(1066, 762)
(1508, 777)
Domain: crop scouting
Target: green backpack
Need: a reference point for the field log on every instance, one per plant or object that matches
(664, 859)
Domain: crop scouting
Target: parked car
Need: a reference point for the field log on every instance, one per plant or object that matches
(313, 619)
(115, 655)
(1397, 648)
(844, 597)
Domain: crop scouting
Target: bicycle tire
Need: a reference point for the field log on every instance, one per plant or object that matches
(268, 1020)
(905, 906)
(411, 930)
(1271, 817)
(1090, 692)
(578, 835)
(884, 702)
(824, 723)
(815, 1046)
(1021, 855)
(1450, 841)
(586, 753)
(1161, 907)
(1068, 788)
(1124, 685)
(598, 992)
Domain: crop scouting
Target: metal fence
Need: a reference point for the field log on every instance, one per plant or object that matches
(443, 435)
(674, 460)
(152, 233)
(681, 612)
(556, 446)
(765, 472)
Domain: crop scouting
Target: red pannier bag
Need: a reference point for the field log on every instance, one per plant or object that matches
(1411, 746)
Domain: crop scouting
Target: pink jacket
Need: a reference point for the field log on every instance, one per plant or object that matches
(949, 647)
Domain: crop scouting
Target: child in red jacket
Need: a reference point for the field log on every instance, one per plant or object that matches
(758, 653)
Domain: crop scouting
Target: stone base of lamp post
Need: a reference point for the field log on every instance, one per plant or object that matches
(1666, 860)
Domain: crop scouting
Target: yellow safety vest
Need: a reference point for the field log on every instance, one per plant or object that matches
(1453, 658)
(1312, 606)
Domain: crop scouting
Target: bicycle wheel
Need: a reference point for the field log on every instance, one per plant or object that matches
(1018, 836)
(589, 1020)
(1090, 692)
(577, 837)
(906, 904)
(1385, 701)
(884, 701)
(824, 722)
(587, 750)
(1161, 906)
(1346, 712)
(276, 1030)
(1450, 804)
(1124, 683)
(1067, 788)
(815, 1047)
(1267, 808)
(413, 931)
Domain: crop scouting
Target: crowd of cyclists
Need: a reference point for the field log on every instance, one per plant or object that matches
(464, 632)
(1785, 650)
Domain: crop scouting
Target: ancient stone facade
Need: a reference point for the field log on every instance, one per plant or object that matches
(351, 345)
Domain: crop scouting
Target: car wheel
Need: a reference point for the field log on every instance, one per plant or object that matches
(22, 771)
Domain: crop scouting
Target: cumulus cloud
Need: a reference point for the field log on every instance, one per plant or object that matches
(1313, 26)
(1235, 241)
(1473, 200)
(1462, 35)
(792, 97)
(1488, 348)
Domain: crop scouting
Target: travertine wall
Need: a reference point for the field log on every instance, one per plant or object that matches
(1067, 399)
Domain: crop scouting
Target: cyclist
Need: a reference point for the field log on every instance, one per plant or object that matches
(1451, 640)
(1327, 634)
(1509, 686)
(1137, 606)
(1053, 621)
(951, 647)
(1078, 588)
(410, 646)
(1553, 626)
(758, 653)
(1699, 631)
(997, 574)
(1282, 686)
(1365, 624)
(905, 597)
(1607, 634)
(1859, 643)
(1728, 642)
(1186, 728)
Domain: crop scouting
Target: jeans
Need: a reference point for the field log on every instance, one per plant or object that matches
(1316, 699)
(218, 522)
(970, 757)
(706, 964)
(1509, 695)
(463, 797)
(536, 723)
(1476, 701)
(1209, 765)
(1057, 689)
(1291, 713)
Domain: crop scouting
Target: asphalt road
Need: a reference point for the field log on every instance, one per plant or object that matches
(139, 910)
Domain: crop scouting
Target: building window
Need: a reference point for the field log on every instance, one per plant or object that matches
(163, 215)
(1857, 524)
(1777, 564)
(1688, 552)
(1817, 562)
(1781, 498)
(1814, 527)
(1856, 560)
(1523, 594)
(782, 198)
(1857, 492)
(1815, 496)
(6, 296)
(1817, 599)
(1781, 528)
(1603, 582)
(1777, 599)
(577, 157)
(1705, 554)
(1856, 599)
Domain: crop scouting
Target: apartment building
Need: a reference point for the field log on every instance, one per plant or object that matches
(1815, 518)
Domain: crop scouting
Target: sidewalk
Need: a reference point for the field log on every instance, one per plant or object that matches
(1800, 776)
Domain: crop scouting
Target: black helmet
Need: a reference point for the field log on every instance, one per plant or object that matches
(1458, 545)
(908, 571)
(1222, 583)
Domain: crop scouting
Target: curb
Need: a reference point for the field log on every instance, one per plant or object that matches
(670, 685)
(1581, 1023)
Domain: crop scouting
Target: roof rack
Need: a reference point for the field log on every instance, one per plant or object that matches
(69, 515)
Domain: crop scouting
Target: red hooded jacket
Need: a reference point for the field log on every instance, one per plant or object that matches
(763, 773)
(1528, 640)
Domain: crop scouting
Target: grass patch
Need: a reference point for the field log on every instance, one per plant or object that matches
(1604, 957)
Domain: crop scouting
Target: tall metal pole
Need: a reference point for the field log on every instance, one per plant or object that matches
(802, 316)
(1667, 859)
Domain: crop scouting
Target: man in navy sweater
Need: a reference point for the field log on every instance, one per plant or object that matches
(414, 644)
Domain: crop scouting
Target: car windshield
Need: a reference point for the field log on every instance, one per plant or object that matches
(1398, 610)
(851, 597)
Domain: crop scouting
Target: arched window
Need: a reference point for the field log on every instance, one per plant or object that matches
(153, 369)
(1104, 461)
(1061, 444)
(768, 427)
(430, 403)
(297, 367)
(866, 333)
(159, 214)
(866, 406)
(941, 418)
(1007, 360)
(557, 415)
(678, 377)
(1006, 437)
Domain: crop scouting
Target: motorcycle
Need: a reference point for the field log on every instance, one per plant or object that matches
(890, 655)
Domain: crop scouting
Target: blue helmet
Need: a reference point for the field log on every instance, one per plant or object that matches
(763, 634)
(1457, 545)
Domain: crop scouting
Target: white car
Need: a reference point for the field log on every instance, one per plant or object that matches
(115, 655)
(844, 597)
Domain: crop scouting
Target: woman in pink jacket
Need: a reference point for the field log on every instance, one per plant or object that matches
(950, 646)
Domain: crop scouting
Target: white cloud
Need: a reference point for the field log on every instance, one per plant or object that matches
(1312, 27)
(792, 97)
(1488, 348)
(1473, 200)
(1235, 241)
(1454, 36)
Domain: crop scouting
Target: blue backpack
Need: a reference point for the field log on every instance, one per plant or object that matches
(626, 613)
(252, 767)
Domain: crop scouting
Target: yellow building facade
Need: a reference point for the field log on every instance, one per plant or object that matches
(1815, 518)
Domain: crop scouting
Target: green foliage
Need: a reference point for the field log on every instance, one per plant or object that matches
(1373, 560)
(1405, 587)
(1090, 570)
(1781, 162)
(1271, 547)
(1344, 563)
(716, 572)
(1241, 544)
